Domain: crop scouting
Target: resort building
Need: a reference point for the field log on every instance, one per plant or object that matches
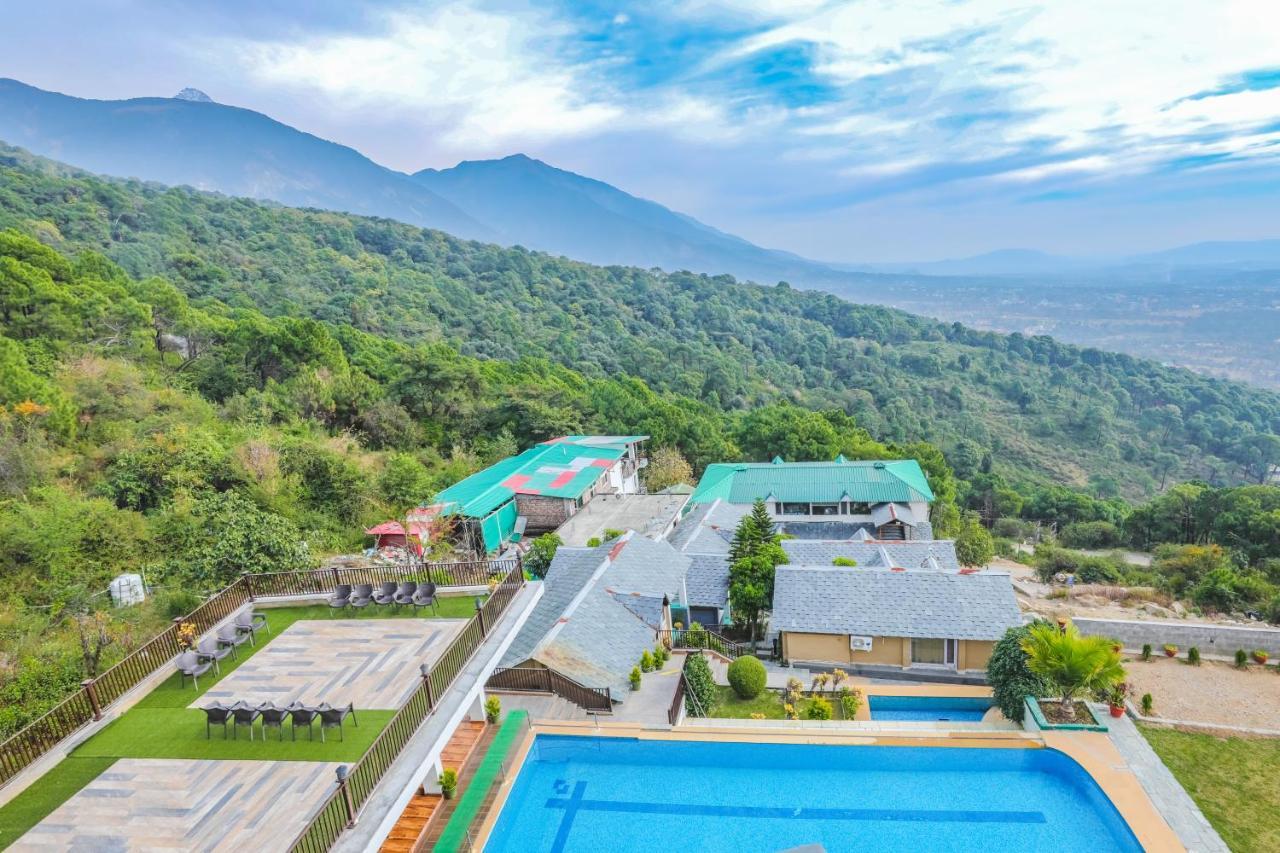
(878, 621)
(828, 500)
(539, 489)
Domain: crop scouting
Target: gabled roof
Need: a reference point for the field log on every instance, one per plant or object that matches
(600, 609)
(911, 554)
(892, 603)
(707, 583)
(563, 467)
(865, 481)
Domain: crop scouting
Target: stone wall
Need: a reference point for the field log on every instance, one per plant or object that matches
(1220, 640)
(543, 513)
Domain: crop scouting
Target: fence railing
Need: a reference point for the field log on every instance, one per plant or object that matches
(701, 638)
(677, 702)
(356, 783)
(538, 680)
(43, 734)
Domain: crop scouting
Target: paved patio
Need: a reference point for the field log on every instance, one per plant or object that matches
(371, 662)
(152, 804)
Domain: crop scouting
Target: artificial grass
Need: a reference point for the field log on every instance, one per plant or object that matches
(727, 705)
(1232, 780)
(180, 733)
(455, 832)
(46, 794)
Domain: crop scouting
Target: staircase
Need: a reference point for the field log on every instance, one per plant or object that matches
(412, 825)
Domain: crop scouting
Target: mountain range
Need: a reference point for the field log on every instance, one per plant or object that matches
(517, 200)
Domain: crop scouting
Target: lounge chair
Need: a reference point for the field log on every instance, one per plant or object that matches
(272, 717)
(386, 594)
(244, 715)
(331, 717)
(210, 649)
(216, 713)
(425, 596)
(301, 715)
(362, 595)
(341, 596)
(247, 621)
(230, 637)
(404, 593)
(191, 664)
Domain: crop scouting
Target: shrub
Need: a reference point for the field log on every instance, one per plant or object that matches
(850, 701)
(794, 688)
(1242, 658)
(1147, 704)
(1146, 651)
(646, 661)
(448, 783)
(177, 602)
(611, 534)
(541, 552)
(747, 677)
(819, 709)
(634, 678)
(1091, 534)
(492, 709)
(844, 561)
(1193, 656)
(660, 655)
(789, 711)
(1071, 663)
(1260, 656)
(702, 687)
(1007, 672)
(593, 542)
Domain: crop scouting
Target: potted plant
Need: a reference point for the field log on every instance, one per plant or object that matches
(1071, 664)
(634, 678)
(1115, 699)
(448, 783)
(492, 709)
(1170, 650)
(1260, 656)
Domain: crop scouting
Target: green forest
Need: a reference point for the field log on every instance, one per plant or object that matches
(193, 386)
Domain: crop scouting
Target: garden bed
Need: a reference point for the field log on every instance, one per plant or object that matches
(727, 705)
(1083, 720)
(1213, 692)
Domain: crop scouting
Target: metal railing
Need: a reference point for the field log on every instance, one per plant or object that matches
(677, 702)
(539, 680)
(357, 782)
(701, 639)
(40, 736)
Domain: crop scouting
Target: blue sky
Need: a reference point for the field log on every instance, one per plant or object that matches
(857, 131)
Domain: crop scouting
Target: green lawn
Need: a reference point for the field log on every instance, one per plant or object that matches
(1233, 780)
(161, 725)
(727, 705)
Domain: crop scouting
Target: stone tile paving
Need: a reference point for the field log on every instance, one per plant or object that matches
(162, 804)
(371, 662)
(1170, 798)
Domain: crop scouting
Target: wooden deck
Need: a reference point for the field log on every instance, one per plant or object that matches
(409, 832)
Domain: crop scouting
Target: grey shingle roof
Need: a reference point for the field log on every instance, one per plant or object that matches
(904, 555)
(707, 582)
(599, 610)
(708, 528)
(887, 603)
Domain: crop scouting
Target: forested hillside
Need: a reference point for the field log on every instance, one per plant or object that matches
(1038, 410)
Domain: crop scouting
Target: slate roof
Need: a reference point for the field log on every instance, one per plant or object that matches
(600, 609)
(911, 554)
(888, 603)
(708, 528)
(869, 481)
(707, 583)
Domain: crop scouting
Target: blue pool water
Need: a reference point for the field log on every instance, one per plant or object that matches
(621, 795)
(955, 709)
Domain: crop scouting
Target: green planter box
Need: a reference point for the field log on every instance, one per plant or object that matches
(1033, 708)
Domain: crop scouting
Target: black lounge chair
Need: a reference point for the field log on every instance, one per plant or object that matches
(210, 649)
(216, 713)
(247, 620)
(341, 596)
(244, 715)
(230, 637)
(425, 596)
(272, 717)
(404, 593)
(301, 715)
(385, 595)
(362, 595)
(331, 717)
(191, 664)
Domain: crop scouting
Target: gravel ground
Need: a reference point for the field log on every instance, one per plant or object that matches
(1210, 693)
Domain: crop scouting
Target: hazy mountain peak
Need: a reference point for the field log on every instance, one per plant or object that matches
(190, 94)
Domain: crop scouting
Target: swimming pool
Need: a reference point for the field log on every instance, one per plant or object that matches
(955, 709)
(622, 795)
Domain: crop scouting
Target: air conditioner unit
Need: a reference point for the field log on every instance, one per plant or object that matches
(859, 644)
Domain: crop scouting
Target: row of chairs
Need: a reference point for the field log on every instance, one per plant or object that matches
(271, 715)
(194, 663)
(400, 594)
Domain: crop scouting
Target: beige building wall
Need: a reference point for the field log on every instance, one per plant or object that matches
(885, 651)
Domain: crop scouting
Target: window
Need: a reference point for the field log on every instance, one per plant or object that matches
(933, 652)
(794, 509)
(825, 509)
(856, 508)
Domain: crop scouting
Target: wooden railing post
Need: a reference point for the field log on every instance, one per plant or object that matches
(341, 773)
(480, 616)
(248, 584)
(91, 691)
(426, 683)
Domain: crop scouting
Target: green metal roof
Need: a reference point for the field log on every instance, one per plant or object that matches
(866, 481)
(562, 467)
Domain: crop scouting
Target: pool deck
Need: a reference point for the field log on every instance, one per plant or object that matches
(1093, 751)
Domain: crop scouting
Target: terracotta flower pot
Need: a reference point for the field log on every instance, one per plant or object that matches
(1170, 652)
(1117, 711)
(1260, 658)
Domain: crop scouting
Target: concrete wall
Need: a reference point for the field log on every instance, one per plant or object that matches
(974, 654)
(1221, 640)
(885, 651)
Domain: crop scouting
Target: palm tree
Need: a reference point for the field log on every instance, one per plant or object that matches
(1071, 663)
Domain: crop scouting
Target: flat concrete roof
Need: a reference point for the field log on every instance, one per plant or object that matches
(648, 515)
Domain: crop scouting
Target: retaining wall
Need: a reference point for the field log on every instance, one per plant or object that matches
(1219, 640)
